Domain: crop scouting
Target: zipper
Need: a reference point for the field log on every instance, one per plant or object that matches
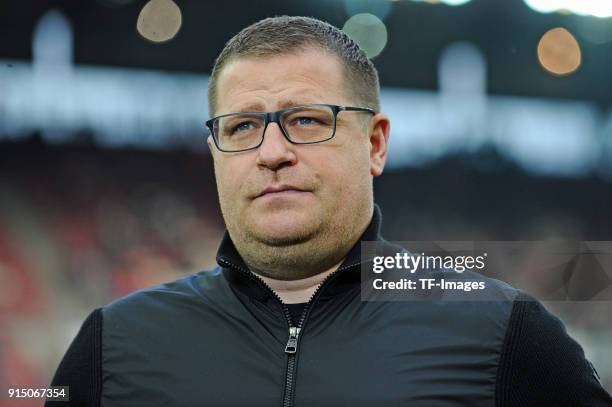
(291, 348)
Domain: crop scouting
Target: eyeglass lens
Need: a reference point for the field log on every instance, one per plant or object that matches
(308, 124)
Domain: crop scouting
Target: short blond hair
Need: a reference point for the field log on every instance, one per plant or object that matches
(288, 35)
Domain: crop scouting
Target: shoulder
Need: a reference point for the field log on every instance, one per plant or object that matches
(540, 364)
(152, 310)
(81, 365)
(155, 318)
(199, 287)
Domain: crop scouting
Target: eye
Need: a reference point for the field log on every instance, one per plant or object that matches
(306, 121)
(243, 126)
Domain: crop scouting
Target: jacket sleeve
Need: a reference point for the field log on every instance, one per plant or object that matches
(541, 365)
(81, 367)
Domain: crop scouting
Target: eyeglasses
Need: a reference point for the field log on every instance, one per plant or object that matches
(305, 124)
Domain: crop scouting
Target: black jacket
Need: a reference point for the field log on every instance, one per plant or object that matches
(223, 338)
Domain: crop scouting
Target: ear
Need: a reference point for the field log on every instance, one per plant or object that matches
(380, 127)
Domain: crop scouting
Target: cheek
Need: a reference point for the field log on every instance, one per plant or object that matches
(230, 176)
(350, 173)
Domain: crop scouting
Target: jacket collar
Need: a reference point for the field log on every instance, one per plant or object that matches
(236, 271)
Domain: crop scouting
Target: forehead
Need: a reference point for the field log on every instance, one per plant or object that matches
(272, 83)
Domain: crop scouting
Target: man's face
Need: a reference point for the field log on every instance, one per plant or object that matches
(322, 189)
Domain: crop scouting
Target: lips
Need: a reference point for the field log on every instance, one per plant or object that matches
(278, 189)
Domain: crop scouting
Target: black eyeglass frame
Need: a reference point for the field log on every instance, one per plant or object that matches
(274, 117)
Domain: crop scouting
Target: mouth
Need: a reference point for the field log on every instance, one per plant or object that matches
(280, 191)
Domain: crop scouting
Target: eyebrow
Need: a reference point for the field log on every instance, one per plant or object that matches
(258, 107)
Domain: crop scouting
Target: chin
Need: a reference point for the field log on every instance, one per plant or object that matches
(282, 240)
(285, 215)
(283, 230)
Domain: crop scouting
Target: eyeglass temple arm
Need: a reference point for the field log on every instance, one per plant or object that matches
(356, 109)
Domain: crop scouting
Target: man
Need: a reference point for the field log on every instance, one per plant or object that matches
(297, 136)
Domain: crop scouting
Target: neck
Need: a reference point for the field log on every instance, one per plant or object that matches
(297, 291)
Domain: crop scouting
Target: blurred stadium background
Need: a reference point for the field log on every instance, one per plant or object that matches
(501, 130)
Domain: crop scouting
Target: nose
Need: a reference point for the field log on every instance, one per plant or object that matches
(275, 151)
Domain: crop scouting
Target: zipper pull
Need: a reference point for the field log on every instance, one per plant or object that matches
(293, 339)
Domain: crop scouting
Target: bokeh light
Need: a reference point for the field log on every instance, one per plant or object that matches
(380, 8)
(597, 8)
(368, 31)
(447, 2)
(559, 52)
(455, 2)
(159, 20)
